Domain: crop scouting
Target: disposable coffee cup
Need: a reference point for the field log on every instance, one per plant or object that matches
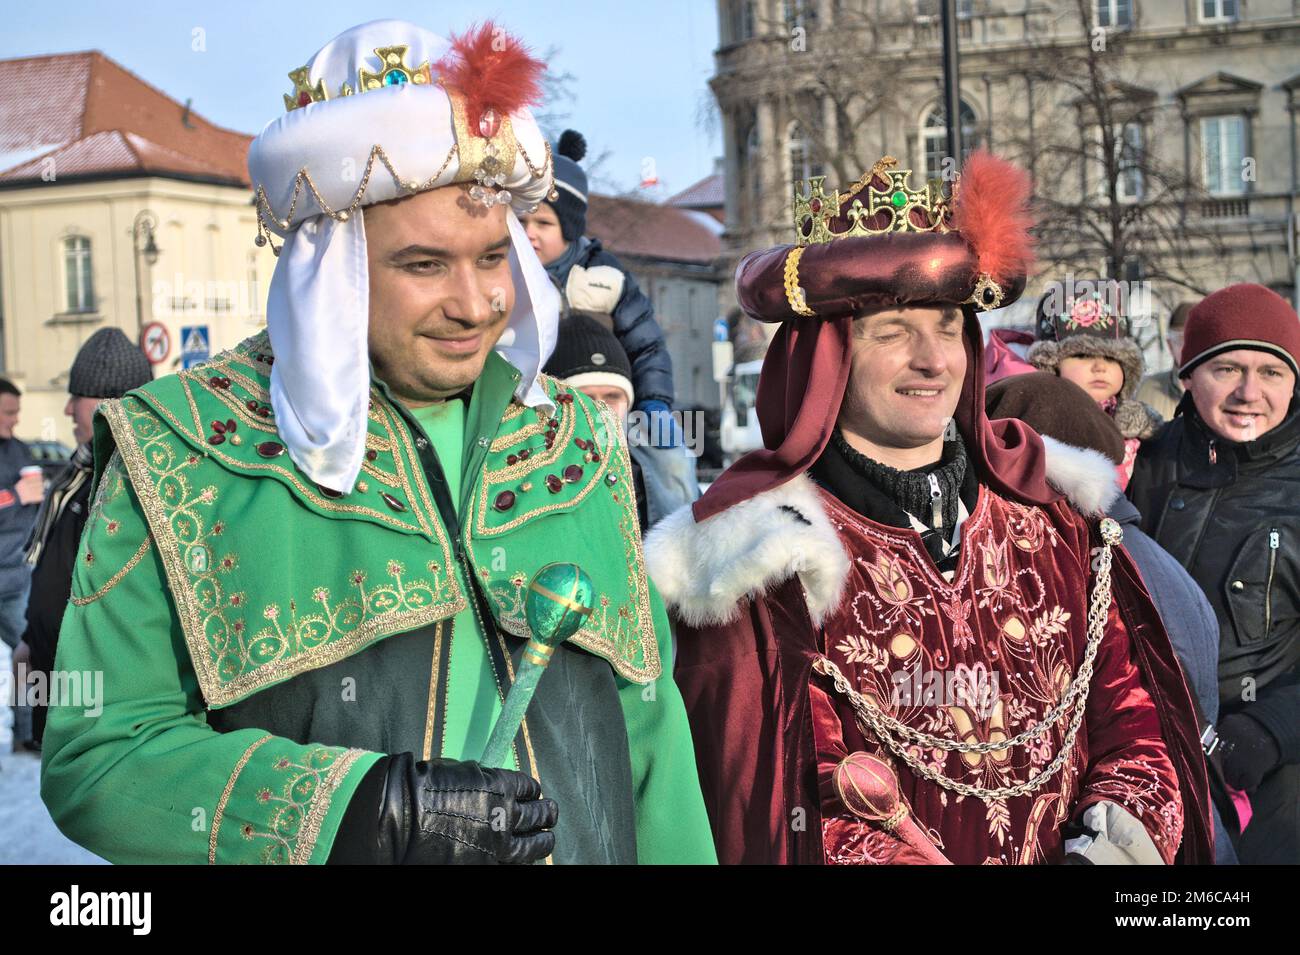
(31, 469)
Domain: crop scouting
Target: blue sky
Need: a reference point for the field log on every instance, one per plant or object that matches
(640, 67)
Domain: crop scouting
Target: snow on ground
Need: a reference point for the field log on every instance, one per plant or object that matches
(27, 833)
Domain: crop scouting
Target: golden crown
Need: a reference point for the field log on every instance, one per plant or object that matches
(873, 211)
(393, 71)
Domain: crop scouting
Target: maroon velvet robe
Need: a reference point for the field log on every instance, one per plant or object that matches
(768, 731)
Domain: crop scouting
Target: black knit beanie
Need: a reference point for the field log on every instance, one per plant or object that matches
(571, 185)
(108, 365)
(588, 353)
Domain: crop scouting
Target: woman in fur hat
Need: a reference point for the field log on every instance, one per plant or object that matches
(1085, 342)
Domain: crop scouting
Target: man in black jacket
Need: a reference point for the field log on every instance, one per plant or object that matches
(1219, 488)
(108, 365)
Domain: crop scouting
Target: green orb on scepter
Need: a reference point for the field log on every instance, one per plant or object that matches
(556, 605)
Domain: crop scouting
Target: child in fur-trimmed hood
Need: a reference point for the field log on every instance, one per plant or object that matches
(1086, 342)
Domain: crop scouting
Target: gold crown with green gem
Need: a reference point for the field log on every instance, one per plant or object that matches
(874, 210)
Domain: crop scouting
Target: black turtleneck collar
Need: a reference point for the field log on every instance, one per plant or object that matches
(885, 495)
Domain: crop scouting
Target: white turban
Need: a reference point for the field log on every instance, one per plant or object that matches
(362, 130)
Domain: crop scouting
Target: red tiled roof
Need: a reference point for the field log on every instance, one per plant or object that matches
(92, 116)
(632, 227)
(707, 193)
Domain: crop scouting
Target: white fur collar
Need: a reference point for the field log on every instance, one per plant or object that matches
(704, 570)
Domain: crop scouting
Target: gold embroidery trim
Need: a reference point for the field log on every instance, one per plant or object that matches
(309, 493)
(592, 636)
(434, 676)
(320, 805)
(117, 577)
(190, 614)
(514, 472)
(794, 294)
(225, 796)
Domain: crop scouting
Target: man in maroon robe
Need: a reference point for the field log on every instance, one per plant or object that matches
(903, 634)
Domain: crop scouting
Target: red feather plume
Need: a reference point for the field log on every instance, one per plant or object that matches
(492, 70)
(992, 214)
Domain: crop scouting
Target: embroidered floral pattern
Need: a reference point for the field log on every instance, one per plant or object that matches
(235, 647)
(1003, 640)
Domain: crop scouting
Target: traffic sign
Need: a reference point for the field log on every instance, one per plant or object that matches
(194, 345)
(156, 342)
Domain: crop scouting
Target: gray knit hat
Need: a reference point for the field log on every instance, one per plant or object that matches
(108, 365)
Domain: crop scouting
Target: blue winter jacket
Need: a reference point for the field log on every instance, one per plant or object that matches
(634, 322)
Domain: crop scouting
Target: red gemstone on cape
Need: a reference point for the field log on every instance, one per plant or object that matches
(523, 455)
(372, 454)
(218, 427)
(217, 439)
(393, 502)
(270, 449)
(512, 459)
(505, 500)
(573, 473)
(553, 483)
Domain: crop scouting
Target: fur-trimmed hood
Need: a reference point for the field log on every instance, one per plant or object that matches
(703, 570)
(1135, 419)
(1047, 356)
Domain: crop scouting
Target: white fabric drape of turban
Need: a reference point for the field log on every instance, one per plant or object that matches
(314, 168)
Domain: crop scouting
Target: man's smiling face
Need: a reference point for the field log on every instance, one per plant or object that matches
(440, 291)
(906, 379)
(1242, 394)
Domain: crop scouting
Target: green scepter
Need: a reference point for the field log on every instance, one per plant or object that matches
(556, 605)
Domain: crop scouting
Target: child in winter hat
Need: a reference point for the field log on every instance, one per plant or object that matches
(1084, 340)
(556, 230)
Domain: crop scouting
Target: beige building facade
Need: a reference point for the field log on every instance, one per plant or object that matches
(119, 207)
(68, 267)
(1206, 92)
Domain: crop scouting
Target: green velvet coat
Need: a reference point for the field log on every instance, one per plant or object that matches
(263, 640)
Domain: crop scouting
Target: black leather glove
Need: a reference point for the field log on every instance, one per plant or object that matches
(445, 812)
(1252, 752)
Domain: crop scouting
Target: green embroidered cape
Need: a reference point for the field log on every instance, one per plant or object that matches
(263, 639)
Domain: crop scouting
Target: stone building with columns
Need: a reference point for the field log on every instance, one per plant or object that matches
(1207, 90)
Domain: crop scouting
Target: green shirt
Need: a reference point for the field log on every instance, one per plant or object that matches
(473, 701)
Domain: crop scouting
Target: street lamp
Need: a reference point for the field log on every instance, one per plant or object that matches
(144, 225)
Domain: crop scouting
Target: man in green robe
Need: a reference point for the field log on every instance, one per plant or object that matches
(302, 576)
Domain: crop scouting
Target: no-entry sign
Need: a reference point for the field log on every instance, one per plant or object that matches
(156, 342)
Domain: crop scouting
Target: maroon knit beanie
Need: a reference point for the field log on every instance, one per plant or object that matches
(1241, 316)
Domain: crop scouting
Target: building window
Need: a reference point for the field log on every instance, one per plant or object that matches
(1113, 13)
(739, 21)
(934, 134)
(1128, 158)
(78, 274)
(1218, 11)
(1223, 145)
(802, 165)
(932, 8)
(799, 14)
